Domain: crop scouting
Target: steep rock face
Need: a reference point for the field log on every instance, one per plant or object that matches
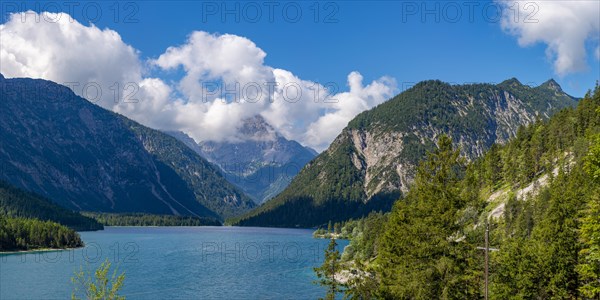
(262, 163)
(83, 157)
(386, 167)
(373, 160)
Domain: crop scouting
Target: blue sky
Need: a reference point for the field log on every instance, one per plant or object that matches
(408, 41)
(375, 38)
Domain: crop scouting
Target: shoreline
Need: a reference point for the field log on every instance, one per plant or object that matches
(38, 250)
(327, 236)
(160, 226)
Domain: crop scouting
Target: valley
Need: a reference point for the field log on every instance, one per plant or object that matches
(300, 150)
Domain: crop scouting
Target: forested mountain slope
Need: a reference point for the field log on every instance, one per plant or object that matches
(373, 160)
(83, 157)
(16, 203)
(548, 180)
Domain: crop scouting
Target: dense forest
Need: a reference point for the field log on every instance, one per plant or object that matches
(540, 194)
(29, 221)
(17, 203)
(18, 234)
(140, 219)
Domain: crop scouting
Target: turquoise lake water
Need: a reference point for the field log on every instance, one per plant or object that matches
(178, 263)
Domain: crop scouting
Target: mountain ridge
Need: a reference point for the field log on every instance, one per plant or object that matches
(373, 160)
(84, 157)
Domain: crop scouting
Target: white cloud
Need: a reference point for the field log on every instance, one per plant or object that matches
(211, 57)
(349, 104)
(295, 107)
(67, 51)
(62, 50)
(564, 26)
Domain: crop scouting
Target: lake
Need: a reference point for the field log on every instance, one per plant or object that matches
(178, 262)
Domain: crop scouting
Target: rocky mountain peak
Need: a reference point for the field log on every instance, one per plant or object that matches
(511, 82)
(257, 129)
(261, 161)
(552, 84)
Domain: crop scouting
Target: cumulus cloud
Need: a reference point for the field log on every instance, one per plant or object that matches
(55, 47)
(204, 57)
(224, 81)
(347, 106)
(564, 26)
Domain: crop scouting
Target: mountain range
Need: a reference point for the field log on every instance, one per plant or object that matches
(261, 163)
(372, 161)
(85, 158)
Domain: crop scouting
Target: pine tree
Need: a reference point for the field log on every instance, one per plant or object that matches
(337, 228)
(420, 255)
(328, 270)
(589, 266)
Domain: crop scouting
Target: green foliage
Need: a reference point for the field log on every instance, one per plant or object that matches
(20, 204)
(363, 234)
(547, 249)
(592, 161)
(17, 234)
(328, 270)
(538, 257)
(549, 239)
(100, 285)
(541, 146)
(420, 255)
(589, 263)
(140, 219)
(363, 285)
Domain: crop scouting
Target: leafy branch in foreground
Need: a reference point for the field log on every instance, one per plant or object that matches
(99, 286)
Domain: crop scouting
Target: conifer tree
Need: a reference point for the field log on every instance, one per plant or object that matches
(589, 266)
(420, 255)
(328, 270)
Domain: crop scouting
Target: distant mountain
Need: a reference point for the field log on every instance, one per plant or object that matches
(262, 163)
(83, 157)
(373, 160)
(16, 203)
